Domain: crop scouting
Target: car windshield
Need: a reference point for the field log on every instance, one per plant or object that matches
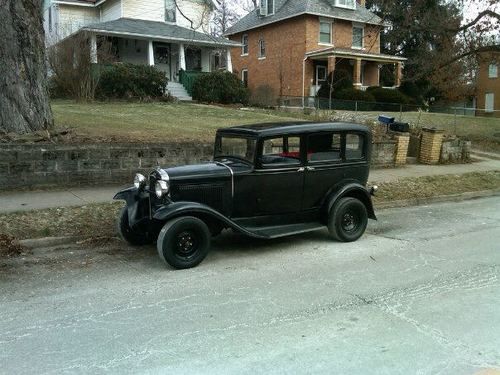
(236, 147)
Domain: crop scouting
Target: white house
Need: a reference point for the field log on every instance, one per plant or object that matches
(172, 35)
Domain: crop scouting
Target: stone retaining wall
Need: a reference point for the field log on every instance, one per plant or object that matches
(31, 166)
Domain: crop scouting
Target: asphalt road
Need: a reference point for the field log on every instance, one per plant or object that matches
(418, 294)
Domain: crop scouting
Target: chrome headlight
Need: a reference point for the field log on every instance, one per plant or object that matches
(161, 188)
(139, 181)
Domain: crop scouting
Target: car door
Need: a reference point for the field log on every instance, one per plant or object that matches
(324, 166)
(278, 178)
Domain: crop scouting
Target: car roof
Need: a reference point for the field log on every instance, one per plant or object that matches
(296, 127)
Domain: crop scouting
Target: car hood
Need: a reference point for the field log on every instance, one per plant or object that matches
(198, 171)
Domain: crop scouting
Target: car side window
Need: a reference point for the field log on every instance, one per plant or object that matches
(280, 150)
(324, 147)
(354, 147)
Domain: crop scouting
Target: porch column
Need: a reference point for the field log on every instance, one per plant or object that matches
(399, 74)
(151, 53)
(357, 74)
(182, 57)
(229, 61)
(93, 48)
(331, 65)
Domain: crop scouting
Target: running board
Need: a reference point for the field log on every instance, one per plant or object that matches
(277, 231)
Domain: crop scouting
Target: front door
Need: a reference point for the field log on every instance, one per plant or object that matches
(278, 178)
(321, 76)
(162, 58)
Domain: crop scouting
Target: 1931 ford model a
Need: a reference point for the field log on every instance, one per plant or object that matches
(265, 181)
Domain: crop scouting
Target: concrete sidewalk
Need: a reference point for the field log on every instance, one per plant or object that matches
(35, 200)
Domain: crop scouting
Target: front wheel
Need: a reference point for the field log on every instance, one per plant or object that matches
(348, 219)
(183, 242)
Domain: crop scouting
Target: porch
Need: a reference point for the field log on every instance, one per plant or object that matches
(363, 67)
(170, 48)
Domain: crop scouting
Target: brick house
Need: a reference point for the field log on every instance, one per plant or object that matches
(292, 45)
(172, 35)
(488, 85)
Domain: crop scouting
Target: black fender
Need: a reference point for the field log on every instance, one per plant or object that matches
(137, 204)
(126, 194)
(201, 211)
(354, 190)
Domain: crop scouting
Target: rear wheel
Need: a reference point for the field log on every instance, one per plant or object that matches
(133, 237)
(184, 242)
(348, 219)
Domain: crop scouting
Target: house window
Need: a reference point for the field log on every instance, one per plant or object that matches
(351, 4)
(357, 37)
(325, 32)
(50, 18)
(493, 70)
(489, 102)
(262, 48)
(244, 77)
(270, 7)
(266, 7)
(244, 41)
(170, 10)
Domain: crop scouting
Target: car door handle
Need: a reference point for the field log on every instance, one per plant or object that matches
(301, 169)
(310, 168)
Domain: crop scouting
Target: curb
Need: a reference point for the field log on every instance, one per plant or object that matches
(438, 199)
(58, 241)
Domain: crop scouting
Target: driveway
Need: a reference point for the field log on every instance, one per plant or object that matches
(420, 293)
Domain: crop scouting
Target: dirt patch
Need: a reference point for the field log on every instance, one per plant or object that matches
(430, 186)
(96, 222)
(9, 246)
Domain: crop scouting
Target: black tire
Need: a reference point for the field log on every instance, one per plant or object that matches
(183, 242)
(133, 237)
(348, 219)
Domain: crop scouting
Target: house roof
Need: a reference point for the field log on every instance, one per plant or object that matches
(285, 9)
(158, 31)
(352, 52)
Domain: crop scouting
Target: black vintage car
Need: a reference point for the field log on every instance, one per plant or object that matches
(265, 181)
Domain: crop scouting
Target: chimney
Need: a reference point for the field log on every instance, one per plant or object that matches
(362, 3)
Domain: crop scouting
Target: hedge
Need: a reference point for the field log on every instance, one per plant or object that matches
(220, 87)
(130, 80)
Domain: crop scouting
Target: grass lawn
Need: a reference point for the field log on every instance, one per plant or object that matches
(155, 122)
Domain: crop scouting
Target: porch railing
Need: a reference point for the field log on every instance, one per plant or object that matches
(187, 78)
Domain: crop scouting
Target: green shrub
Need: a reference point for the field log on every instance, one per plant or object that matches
(342, 80)
(129, 80)
(382, 95)
(220, 87)
(353, 94)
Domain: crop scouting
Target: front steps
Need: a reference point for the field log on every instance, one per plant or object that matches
(178, 91)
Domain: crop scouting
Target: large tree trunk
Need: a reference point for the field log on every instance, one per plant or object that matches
(24, 99)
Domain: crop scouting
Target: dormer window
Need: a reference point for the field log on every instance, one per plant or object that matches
(170, 11)
(351, 4)
(266, 7)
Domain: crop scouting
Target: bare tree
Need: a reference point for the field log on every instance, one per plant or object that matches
(225, 15)
(24, 99)
(74, 74)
